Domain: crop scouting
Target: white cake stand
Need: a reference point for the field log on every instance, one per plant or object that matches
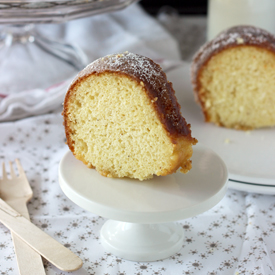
(142, 213)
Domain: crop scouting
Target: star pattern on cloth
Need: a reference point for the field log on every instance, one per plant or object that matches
(234, 237)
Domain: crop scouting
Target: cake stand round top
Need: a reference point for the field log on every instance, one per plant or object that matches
(159, 200)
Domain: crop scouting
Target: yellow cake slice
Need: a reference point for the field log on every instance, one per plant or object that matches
(122, 118)
(234, 78)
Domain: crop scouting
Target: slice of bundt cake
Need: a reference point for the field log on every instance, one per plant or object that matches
(233, 78)
(122, 118)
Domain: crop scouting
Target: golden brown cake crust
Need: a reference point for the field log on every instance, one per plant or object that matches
(147, 73)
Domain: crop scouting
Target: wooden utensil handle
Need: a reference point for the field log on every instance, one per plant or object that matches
(29, 261)
(41, 242)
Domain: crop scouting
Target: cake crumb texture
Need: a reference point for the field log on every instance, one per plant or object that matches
(115, 120)
(235, 82)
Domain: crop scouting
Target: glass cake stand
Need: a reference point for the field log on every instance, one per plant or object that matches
(20, 38)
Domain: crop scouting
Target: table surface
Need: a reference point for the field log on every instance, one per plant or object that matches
(234, 237)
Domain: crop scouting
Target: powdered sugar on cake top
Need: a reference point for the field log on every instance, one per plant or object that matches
(136, 65)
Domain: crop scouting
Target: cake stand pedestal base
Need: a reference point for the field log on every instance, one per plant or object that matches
(141, 242)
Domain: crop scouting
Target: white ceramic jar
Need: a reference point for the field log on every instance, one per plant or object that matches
(223, 14)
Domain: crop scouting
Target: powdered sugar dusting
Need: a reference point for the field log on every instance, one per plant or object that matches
(130, 63)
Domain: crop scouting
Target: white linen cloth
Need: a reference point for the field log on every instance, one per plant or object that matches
(235, 237)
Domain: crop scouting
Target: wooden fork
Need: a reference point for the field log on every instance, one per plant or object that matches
(16, 191)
